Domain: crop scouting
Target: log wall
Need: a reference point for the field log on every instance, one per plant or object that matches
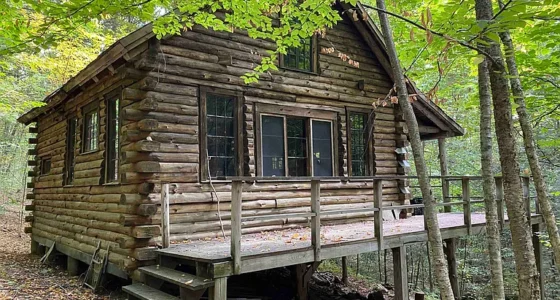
(87, 212)
(183, 64)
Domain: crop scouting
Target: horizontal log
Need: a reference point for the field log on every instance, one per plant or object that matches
(29, 207)
(29, 219)
(163, 137)
(152, 146)
(132, 157)
(164, 167)
(137, 115)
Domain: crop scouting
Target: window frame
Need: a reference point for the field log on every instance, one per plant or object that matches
(115, 95)
(314, 58)
(238, 116)
(42, 165)
(370, 155)
(69, 180)
(87, 109)
(309, 115)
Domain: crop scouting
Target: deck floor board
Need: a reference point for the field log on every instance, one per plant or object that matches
(299, 239)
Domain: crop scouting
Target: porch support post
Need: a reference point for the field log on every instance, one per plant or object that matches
(345, 270)
(450, 252)
(72, 266)
(444, 172)
(219, 290)
(537, 247)
(400, 273)
(34, 247)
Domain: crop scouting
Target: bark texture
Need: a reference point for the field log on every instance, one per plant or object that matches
(528, 277)
(488, 184)
(430, 211)
(529, 143)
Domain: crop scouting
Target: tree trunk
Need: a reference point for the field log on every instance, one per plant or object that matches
(528, 277)
(529, 142)
(488, 184)
(430, 211)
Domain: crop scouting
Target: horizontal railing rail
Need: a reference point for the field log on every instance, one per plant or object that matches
(316, 213)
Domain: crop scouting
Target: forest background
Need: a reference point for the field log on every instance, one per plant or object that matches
(440, 67)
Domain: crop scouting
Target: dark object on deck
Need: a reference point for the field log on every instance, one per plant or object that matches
(419, 211)
(419, 296)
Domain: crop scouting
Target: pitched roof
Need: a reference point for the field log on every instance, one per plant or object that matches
(446, 126)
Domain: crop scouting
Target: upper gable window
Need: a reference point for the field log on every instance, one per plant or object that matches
(90, 128)
(302, 58)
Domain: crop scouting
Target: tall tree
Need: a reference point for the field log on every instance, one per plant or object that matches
(488, 185)
(527, 275)
(430, 210)
(529, 143)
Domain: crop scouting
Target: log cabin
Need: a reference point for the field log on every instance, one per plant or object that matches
(159, 143)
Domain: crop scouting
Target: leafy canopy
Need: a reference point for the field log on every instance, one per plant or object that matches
(31, 25)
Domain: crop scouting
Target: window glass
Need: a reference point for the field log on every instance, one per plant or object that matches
(112, 153)
(300, 58)
(45, 166)
(70, 150)
(297, 146)
(220, 126)
(358, 143)
(322, 148)
(90, 131)
(273, 146)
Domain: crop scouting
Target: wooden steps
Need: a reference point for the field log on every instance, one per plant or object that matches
(189, 285)
(184, 280)
(144, 292)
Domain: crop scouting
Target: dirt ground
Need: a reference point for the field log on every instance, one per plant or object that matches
(23, 277)
(21, 274)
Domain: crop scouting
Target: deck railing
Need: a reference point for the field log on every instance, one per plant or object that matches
(237, 218)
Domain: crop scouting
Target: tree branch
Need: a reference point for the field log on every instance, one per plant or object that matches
(447, 37)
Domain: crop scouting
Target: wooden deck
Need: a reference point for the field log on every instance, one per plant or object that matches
(293, 246)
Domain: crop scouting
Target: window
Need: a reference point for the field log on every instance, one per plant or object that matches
(90, 128)
(302, 58)
(221, 154)
(273, 143)
(45, 166)
(294, 145)
(112, 146)
(358, 147)
(297, 146)
(322, 148)
(70, 150)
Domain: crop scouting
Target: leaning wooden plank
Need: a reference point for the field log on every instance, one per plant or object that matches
(179, 278)
(142, 291)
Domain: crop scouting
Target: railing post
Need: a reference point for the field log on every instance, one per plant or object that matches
(525, 184)
(500, 200)
(316, 218)
(236, 210)
(378, 214)
(165, 215)
(467, 203)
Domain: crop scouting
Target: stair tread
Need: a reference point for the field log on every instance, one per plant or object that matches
(142, 291)
(179, 278)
